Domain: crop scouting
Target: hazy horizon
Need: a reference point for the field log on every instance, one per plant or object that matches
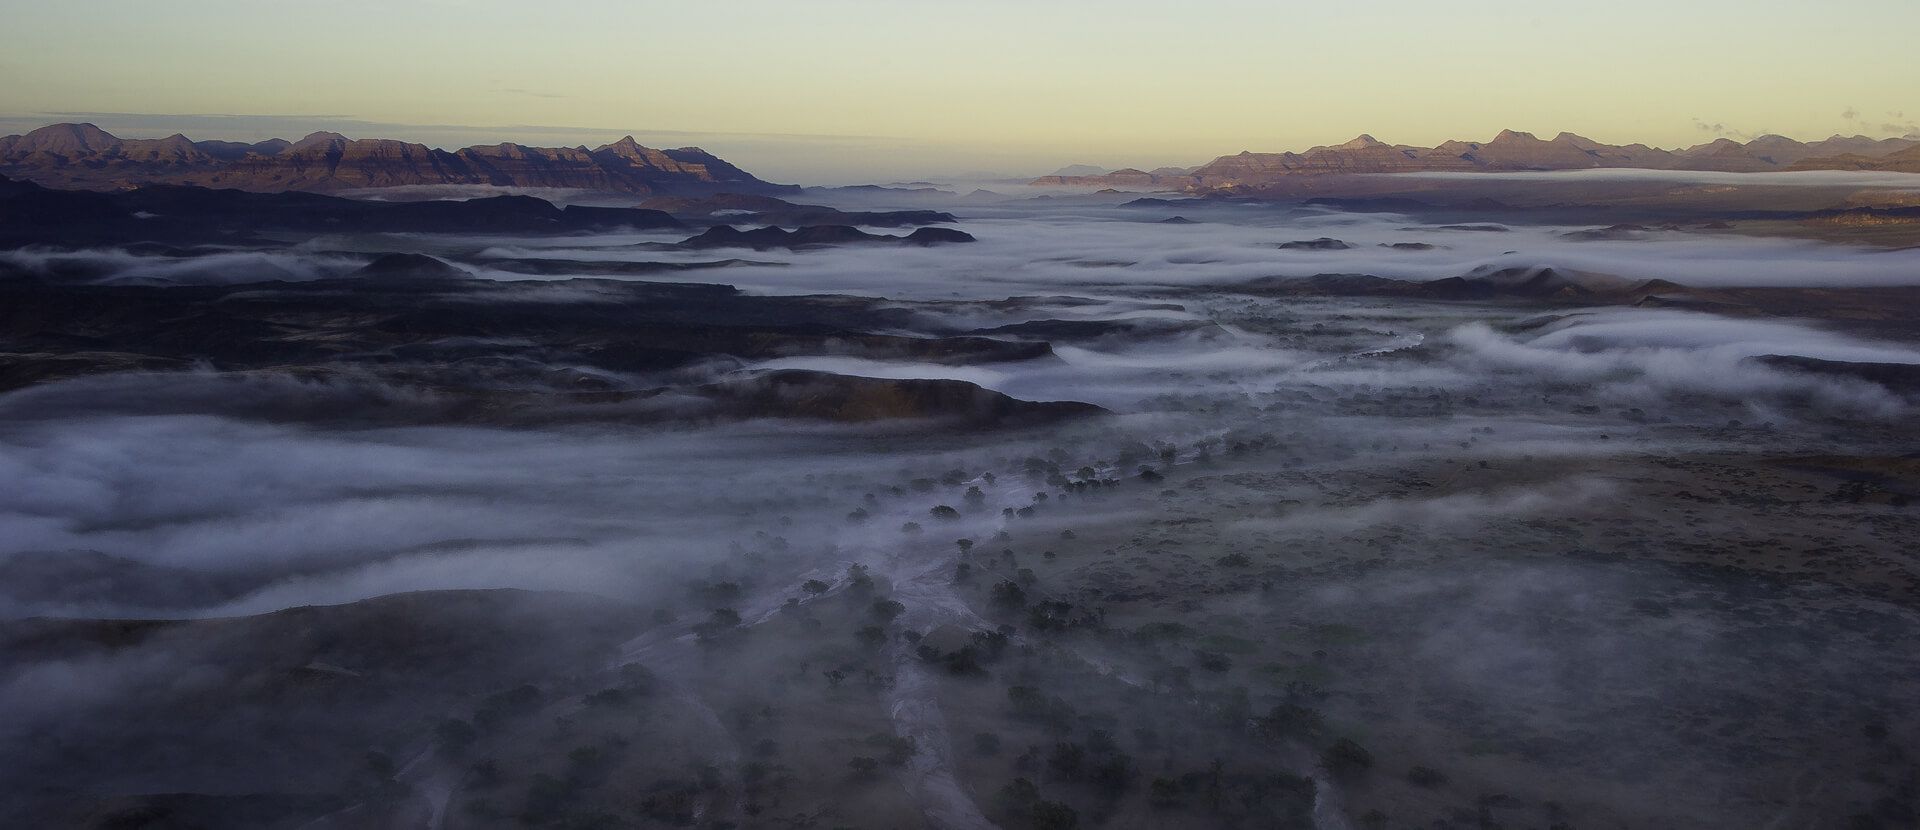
(791, 158)
(813, 93)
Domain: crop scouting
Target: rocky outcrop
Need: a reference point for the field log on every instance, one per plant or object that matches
(409, 266)
(1862, 217)
(771, 237)
(767, 210)
(485, 351)
(1534, 284)
(408, 306)
(86, 577)
(1325, 243)
(1901, 378)
(833, 397)
(85, 156)
(31, 214)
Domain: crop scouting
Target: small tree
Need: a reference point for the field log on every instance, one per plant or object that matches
(1017, 797)
(1112, 775)
(1164, 793)
(899, 750)
(1052, 815)
(1291, 720)
(858, 581)
(1213, 661)
(1346, 758)
(1067, 760)
(1007, 594)
(1426, 777)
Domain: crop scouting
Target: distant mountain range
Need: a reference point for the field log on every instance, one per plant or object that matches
(87, 157)
(1079, 170)
(83, 156)
(1517, 151)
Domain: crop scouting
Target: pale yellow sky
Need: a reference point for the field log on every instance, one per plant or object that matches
(911, 86)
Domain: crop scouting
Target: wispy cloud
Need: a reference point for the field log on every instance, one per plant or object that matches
(1721, 130)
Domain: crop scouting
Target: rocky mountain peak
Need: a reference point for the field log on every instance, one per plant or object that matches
(69, 138)
(319, 140)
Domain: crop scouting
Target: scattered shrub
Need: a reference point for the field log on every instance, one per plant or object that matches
(1213, 661)
(1344, 757)
(1007, 594)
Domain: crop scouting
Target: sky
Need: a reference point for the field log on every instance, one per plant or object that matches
(827, 90)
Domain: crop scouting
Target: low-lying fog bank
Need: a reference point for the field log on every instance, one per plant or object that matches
(1096, 521)
(1027, 248)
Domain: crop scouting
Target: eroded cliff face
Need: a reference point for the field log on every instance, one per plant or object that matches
(85, 156)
